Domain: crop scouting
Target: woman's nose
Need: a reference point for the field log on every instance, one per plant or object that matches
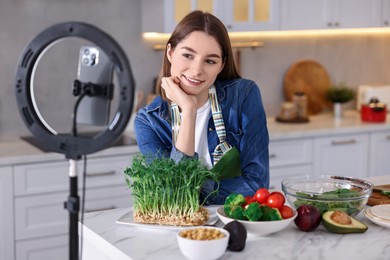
(197, 67)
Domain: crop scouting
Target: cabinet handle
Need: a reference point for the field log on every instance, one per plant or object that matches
(95, 174)
(352, 141)
(386, 22)
(336, 24)
(271, 156)
(388, 137)
(99, 209)
(329, 24)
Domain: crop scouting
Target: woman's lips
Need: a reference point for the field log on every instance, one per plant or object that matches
(192, 80)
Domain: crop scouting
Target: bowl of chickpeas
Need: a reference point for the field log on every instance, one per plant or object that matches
(203, 242)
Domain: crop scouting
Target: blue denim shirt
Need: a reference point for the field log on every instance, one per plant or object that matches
(246, 129)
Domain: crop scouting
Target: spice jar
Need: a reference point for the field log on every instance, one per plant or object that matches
(300, 101)
(288, 111)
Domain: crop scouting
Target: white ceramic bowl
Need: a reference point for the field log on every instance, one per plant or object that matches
(258, 228)
(203, 249)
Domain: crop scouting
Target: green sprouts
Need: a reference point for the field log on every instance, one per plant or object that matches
(164, 187)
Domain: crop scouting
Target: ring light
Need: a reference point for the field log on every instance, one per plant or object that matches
(73, 146)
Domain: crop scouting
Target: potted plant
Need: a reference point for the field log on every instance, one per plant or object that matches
(338, 95)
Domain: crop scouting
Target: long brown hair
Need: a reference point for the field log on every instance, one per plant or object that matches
(211, 25)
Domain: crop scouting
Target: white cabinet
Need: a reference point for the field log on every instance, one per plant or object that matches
(237, 15)
(6, 214)
(385, 16)
(380, 154)
(289, 158)
(356, 13)
(344, 155)
(305, 14)
(328, 14)
(260, 15)
(53, 247)
(40, 190)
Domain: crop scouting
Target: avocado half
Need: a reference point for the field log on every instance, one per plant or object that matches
(331, 225)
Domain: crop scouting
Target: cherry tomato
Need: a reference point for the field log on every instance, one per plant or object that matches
(249, 199)
(261, 195)
(286, 212)
(276, 200)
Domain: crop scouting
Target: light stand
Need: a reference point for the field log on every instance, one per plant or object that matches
(73, 146)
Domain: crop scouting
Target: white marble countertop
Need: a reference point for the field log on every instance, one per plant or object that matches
(103, 238)
(325, 125)
(19, 151)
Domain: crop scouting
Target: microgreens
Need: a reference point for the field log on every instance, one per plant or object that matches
(163, 187)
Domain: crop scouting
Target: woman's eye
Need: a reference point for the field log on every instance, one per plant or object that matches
(186, 55)
(211, 62)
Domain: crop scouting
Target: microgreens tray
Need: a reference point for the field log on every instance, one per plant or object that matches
(127, 219)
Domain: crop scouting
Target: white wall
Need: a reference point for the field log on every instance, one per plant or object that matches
(21, 20)
(354, 60)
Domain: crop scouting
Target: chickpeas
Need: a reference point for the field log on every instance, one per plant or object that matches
(202, 234)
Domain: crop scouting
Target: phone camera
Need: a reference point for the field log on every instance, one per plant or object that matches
(86, 51)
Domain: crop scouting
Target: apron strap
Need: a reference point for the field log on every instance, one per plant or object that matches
(223, 146)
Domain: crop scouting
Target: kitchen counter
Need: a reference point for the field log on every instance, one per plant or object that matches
(19, 151)
(325, 125)
(103, 238)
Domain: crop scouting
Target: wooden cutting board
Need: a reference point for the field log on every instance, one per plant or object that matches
(310, 77)
(377, 198)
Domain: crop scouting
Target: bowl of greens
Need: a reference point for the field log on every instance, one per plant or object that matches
(328, 192)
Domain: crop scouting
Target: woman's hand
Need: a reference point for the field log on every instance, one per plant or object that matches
(174, 93)
(185, 141)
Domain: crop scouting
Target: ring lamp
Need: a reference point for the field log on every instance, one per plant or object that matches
(73, 146)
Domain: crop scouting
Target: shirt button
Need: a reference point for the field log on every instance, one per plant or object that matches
(210, 129)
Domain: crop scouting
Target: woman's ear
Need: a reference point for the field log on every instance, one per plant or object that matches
(169, 52)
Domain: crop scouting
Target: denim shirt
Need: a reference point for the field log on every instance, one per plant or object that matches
(246, 129)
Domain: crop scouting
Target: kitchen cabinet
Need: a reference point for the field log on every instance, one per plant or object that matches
(379, 154)
(237, 15)
(163, 15)
(385, 16)
(260, 15)
(40, 189)
(328, 14)
(344, 155)
(305, 14)
(6, 214)
(250, 15)
(289, 158)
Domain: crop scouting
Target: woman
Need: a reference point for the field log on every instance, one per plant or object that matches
(205, 109)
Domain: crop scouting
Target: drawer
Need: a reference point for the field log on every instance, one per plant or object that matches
(44, 215)
(54, 176)
(277, 174)
(290, 152)
(45, 248)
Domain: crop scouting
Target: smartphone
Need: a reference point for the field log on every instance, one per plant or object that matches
(94, 66)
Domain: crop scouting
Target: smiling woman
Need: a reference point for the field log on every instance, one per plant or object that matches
(205, 111)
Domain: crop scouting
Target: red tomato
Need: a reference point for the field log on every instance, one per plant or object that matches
(261, 195)
(286, 212)
(249, 199)
(276, 200)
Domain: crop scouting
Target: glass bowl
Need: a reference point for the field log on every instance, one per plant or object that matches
(328, 192)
